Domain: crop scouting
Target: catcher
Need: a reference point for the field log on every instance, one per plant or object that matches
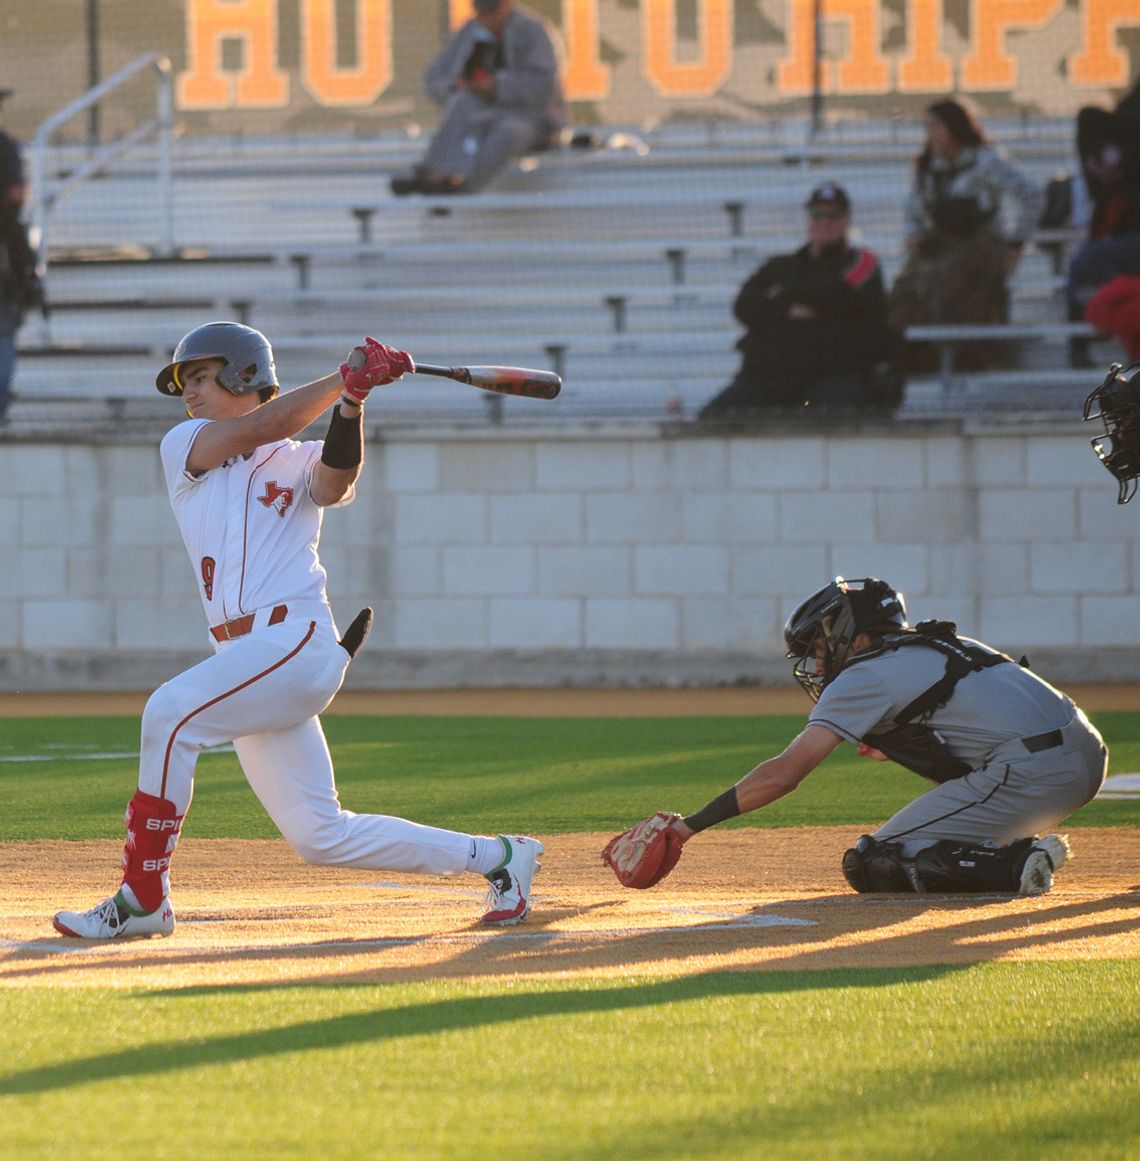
(1009, 755)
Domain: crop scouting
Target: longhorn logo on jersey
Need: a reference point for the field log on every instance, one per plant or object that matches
(277, 497)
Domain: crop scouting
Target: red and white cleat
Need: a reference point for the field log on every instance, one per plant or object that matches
(508, 900)
(111, 920)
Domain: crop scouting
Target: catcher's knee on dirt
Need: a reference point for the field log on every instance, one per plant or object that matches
(873, 865)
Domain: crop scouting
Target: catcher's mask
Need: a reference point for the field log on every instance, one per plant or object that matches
(820, 631)
(1117, 402)
(246, 353)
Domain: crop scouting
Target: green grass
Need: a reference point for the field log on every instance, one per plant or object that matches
(550, 776)
(997, 1061)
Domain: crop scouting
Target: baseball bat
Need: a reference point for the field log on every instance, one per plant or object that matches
(504, 380)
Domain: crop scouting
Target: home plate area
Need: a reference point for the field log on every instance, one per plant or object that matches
(249, 912)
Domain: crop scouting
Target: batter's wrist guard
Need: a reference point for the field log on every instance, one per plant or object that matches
(722, 807)
(344, 444)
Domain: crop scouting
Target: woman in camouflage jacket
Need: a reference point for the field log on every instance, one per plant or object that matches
(959, 253)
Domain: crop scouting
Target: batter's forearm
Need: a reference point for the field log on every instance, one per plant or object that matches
(280, 418)
(293, 411)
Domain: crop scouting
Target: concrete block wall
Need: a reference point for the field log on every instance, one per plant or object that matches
(609, 554)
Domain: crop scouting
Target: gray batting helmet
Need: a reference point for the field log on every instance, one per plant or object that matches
(247, 354)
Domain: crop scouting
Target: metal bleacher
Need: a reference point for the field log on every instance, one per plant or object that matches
(615, 265)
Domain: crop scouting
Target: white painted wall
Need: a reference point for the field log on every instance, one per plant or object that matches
(603, 554)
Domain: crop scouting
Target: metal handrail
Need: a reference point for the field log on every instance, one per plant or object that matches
(45, 200)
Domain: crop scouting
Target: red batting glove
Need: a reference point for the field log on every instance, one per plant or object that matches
(372, 364)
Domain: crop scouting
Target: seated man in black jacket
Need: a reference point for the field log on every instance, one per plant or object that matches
(817, 334)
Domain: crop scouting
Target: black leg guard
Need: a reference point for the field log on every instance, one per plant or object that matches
(871, 865)
(967, 869)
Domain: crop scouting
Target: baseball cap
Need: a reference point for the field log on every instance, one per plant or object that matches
(829, 194)
(486, 7)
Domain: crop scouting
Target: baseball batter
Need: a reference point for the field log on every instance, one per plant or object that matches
(1010, 755)
(249, 500)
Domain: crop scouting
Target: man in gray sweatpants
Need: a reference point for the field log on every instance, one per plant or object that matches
(1010, 755)
(497, 81)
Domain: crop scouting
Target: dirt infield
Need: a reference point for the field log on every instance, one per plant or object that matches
(743, 899)
(752, 899)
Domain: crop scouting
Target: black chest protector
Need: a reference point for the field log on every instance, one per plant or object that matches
(910, 742)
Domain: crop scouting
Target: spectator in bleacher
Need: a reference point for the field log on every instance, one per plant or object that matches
(19, 283)
(817, 337)
(1115, 310)
(497, 81)
(1108, 148)
(960, 255)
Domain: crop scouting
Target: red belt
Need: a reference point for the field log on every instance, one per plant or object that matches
(239, 626)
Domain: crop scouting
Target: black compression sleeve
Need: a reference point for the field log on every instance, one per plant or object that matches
(722, 807)
(344, 444)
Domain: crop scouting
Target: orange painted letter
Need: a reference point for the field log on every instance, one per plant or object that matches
(863, 71)
(989, 66)
(1104, 61)
(925, 68)
(587, 77)
(459, 12)
(329, 84)
(260, 84)
(696, 78)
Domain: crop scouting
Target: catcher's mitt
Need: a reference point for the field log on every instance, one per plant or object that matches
(646, 853)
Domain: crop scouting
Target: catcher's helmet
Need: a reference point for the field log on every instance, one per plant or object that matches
(247, 354)
(820, 631)
(1117, 402)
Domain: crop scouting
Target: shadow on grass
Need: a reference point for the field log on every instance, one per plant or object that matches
(991, 1103)
(426, 1019)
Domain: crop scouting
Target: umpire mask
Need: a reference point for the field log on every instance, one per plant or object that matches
(1116, 402)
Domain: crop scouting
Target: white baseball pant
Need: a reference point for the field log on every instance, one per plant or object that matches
(263, 692)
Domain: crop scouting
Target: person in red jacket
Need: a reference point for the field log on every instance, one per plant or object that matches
(1115, 308)
(1108, 144)
(817, 336)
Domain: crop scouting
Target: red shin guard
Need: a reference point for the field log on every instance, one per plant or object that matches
(152, 834)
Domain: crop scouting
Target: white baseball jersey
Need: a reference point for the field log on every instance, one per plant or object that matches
(250, 525)
(251, 529)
